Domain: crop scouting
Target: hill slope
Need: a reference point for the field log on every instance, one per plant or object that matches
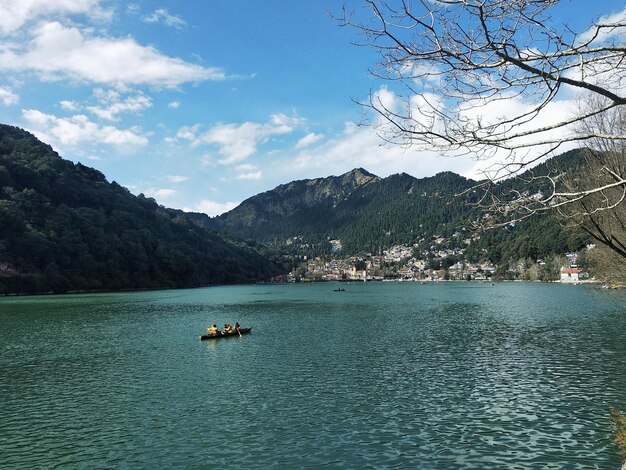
(368, 214)
(365, 212)
(63, 226)
(299, 208)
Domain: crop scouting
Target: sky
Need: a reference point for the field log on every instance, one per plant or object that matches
(202, 104)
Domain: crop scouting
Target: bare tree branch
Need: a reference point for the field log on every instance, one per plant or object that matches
(485, 50)
(457, 59)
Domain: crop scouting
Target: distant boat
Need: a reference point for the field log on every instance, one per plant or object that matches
(340, 289)
(242, 331)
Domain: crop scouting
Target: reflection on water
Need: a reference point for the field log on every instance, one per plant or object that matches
(382, 375)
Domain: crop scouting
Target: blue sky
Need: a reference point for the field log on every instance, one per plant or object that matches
(203, 103)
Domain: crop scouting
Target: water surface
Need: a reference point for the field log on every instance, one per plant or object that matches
(383, 375)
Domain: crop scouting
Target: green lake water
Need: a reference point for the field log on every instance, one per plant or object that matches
(383, 375)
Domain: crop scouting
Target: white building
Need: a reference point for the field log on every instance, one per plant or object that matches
(570, 274)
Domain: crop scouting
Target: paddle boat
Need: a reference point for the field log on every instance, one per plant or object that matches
(219, 334)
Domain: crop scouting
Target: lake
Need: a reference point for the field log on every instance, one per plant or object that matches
(383, 375)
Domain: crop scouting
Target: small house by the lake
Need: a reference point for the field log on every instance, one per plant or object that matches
(570, 274)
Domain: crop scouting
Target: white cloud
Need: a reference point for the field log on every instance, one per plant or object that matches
(7, 97)
(248, 172)
(188, 132)
(161, 15)
(245, 167)
(133, 8)
(57, 52)
(212, 208)
(616, 32)
(112, 104)
(556, 111)
(362, 147)
(255, 175)
(386, 99)
(237, 142)
(176, 178)
(308, 140)
(69, 105)
(161, 194)
(607, 72)
(174, 105)
(281, 120)
(79, 130)
(15, 13)
(426, 75)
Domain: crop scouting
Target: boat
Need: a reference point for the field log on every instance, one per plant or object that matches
(339, 290)
(242, 331)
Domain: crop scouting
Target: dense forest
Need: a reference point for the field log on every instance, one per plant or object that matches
(64, 227)
(369, 214)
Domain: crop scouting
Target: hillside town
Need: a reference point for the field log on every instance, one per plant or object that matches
(402, 263)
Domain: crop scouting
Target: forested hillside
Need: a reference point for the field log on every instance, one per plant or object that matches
(364, 211)
(64, 227)
(369, 214)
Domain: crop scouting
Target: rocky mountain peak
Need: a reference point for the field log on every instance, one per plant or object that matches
(359, 177)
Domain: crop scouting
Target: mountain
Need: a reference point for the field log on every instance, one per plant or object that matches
(366, 213)
(63, 227)
(292, 209)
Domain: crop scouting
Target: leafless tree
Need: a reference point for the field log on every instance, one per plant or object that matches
(595, 193)
(489, 78)
(605, 265)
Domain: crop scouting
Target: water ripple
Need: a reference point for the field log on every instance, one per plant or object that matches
(387, 376)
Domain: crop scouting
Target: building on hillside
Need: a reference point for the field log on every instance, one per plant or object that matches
(572, 259)
(406, 273)
(457, 270)
(570, 274)
(357, 274)
(420, 265)
(436, 274)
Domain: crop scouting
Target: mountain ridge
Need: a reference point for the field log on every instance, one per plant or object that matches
(381, 212)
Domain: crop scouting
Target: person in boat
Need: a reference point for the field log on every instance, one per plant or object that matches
(237, 327)
(212, 330)
(228, 328)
